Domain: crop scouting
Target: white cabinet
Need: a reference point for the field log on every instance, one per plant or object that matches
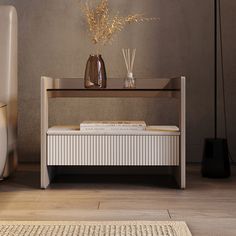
(68, 146)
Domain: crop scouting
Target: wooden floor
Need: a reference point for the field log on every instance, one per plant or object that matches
(208, 206)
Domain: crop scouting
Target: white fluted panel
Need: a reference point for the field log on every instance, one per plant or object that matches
(113, 150)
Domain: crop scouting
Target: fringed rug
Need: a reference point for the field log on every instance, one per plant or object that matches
(87, 228)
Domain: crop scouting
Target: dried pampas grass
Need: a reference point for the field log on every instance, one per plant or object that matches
(102, 26)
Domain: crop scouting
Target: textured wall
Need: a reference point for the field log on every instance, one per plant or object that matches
(53, 41)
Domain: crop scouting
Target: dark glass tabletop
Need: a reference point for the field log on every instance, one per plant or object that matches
(118, 84)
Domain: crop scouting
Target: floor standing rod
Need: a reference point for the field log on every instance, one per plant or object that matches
(215, 64)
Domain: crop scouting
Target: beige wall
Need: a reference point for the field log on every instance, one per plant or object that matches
(53, 41)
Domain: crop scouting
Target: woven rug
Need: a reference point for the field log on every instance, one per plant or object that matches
(86, 228)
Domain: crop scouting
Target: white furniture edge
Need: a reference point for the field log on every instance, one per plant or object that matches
(46, 172)
(180, 173)
(74, 130)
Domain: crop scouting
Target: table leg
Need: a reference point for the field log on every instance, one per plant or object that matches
(46, 172)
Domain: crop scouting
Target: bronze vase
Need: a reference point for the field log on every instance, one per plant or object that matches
(95, 73)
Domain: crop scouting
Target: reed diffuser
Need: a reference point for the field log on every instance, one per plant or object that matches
(129, 57)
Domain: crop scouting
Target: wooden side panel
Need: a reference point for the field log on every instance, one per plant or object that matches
(180, 171)
(46, 172)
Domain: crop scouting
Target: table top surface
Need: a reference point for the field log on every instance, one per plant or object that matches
(113, 84)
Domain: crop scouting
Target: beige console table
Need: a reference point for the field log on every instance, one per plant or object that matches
(68, 147)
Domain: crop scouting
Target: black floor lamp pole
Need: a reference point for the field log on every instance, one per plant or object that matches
(215, 162)
(215, 64)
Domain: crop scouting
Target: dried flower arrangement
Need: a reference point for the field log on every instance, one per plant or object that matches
(102, 29)
(102, 26)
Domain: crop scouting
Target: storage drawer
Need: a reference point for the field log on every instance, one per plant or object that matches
(112, 150)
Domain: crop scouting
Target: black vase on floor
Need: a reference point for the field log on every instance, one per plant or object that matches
(95, 73)
(215, 162)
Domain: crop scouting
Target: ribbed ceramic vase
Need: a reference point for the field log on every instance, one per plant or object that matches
(95, 73)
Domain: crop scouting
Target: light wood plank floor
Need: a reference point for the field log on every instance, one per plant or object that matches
(207, 205)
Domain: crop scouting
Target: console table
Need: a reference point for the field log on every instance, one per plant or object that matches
(71, 147)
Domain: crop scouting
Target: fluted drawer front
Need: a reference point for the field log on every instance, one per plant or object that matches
(113, 150)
